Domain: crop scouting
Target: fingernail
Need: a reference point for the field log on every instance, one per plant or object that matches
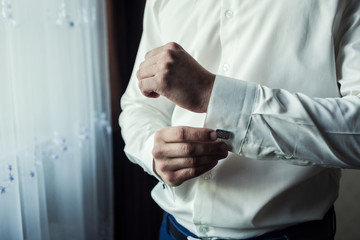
(224, 147)
(213, 135)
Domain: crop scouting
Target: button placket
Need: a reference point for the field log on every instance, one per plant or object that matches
(229, 14)
(207, 176)
(203, 229)
(226, 67)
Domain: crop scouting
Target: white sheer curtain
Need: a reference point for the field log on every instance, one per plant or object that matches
(55, 134)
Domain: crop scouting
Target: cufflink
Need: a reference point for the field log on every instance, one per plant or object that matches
(222, 134)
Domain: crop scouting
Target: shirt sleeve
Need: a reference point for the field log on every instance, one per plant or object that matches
(141, 117)
(275, 124)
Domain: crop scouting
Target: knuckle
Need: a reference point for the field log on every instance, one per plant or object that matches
(162, 167)
(171, 179)
(172, 45)
(187, 149)
(199, 135)
(191, 173)
(169, 53)
(157, 152)
(191, 162)
(168, 59)
(180, 133)
(165, 66)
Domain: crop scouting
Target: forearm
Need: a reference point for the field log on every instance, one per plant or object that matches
(139, 120)
(275, 124)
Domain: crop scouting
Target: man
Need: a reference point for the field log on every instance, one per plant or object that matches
(276, 83)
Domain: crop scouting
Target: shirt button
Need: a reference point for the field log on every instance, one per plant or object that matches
(226, 67)
(229, 14)
(203, 229)
(207, 176)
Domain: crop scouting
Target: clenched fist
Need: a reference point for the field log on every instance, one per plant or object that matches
(182, 153)
(171, 72)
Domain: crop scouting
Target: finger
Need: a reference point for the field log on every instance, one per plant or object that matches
(146, 72)
(161, 63)
(186, 134)
(194, 149)
(150, 61)
(175, 164)
(154, 52)
(178, 177)
(158, 50)
(149, 87)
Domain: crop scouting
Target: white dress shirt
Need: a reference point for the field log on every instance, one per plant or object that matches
(287, 88)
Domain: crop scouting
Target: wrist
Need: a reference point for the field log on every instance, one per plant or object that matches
(211, 79)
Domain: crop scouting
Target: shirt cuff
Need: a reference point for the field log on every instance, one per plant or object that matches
(144, 157)
(230, 107)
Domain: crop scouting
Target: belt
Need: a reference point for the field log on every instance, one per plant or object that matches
(329, 221)
(175, 232)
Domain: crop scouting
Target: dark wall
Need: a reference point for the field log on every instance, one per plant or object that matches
(136, 216)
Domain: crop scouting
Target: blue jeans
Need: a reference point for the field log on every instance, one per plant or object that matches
(314, 230)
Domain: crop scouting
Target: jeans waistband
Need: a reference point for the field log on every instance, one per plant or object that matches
(312, 230)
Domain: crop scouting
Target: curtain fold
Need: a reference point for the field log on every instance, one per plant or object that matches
(55, 125)
(136, 215)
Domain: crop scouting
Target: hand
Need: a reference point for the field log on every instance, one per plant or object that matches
(182, 153)
(171, 72)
